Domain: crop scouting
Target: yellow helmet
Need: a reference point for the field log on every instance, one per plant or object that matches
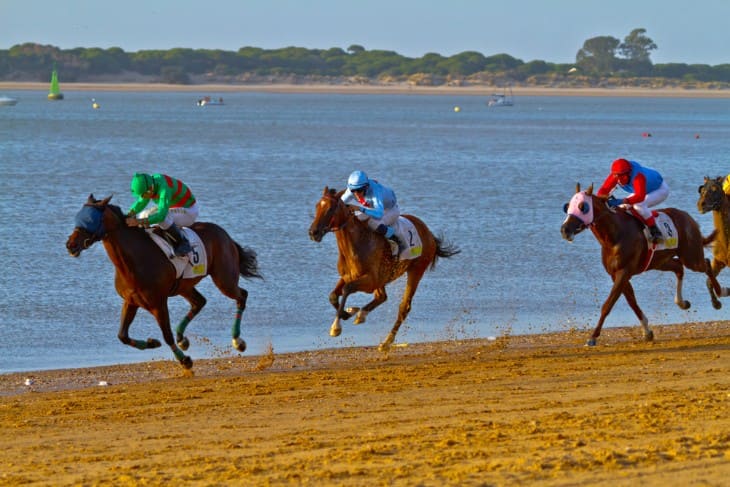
(726, 185)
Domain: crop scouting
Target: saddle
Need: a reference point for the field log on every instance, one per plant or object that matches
(194, 264)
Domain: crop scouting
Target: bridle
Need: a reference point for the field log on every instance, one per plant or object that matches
(331, 213)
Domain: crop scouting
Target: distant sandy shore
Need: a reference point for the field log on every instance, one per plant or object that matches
(216, 89)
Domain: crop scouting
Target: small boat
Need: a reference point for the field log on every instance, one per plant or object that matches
(501, 99)
(55, 92)
(205, 101)
(6, 101)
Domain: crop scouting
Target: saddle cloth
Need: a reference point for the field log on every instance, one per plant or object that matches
(670, 236)
(195, 264)
(409, 236)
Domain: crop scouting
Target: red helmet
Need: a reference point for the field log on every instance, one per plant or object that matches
(620, 166)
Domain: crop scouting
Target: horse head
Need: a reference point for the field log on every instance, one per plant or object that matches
(90, 226)
(712, 195)
(582, 211)
(330, 214)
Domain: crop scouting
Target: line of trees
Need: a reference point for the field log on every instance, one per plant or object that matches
(600, 58)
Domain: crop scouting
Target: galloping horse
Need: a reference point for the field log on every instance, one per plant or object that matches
(366, 264)
(626, 252)
(145, 278)
(713, 198)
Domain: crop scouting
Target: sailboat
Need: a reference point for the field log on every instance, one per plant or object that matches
(55, 92)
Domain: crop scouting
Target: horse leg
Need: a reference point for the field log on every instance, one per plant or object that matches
(619, 282)
(336, 328)
(631, 299)
(197, 302)
(713, 270)
(415, 274)
(379, 297)
(129, 311)
(238, 343)
(676, 266)
(162, 315)
(334, 298)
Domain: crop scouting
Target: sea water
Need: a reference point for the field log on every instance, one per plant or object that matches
(491, 180)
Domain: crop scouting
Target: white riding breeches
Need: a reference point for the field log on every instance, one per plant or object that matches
(182, 217)
(652, 199)
(390, 218)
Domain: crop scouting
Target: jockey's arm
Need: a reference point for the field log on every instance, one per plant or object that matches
(138, 206)
(639, 194)
(608, 185)
(163, 206)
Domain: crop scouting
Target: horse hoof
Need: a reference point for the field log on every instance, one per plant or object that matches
(153, 343)
(239, 344)
(684, 305)
(716, 304)
(591, 342)
(384, 347)
(649, 336)
(335, 332)
(183, 343)
(187, 362)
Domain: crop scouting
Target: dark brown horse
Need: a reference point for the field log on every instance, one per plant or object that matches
(713, 198)
(625, 250)
(366, 264)
(145, 278)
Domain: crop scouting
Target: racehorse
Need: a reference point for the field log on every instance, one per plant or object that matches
(366, 263)
(626, 251)
(713, 198)
(145, 278)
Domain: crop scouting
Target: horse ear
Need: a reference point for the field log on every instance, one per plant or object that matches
(577, 187)
(326, 191)
(106, 200)
(589, 191)
(91, 198)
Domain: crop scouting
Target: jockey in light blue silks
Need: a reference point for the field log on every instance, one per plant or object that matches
(376, 203)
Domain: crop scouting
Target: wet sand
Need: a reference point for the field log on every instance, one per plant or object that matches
(522, 410)
(216, 90)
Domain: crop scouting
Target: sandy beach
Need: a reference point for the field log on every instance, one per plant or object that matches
(216, 89)
(520, 410)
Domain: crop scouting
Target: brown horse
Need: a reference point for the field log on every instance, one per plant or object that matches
(625, 250)
(713, 198)
(145, 278)
(366, 263)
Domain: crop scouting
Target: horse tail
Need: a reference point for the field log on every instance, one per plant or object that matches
(444, 249)
(248, 264)
(709, 239)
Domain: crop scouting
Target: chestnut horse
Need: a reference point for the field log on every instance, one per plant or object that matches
(625, 250)
(713, 198)
(366, 263)
(145, 277)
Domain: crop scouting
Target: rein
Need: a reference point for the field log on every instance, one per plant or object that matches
(332, 213)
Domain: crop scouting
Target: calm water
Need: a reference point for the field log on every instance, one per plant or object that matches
(492, 180)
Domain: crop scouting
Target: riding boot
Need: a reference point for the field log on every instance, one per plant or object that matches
(180, 242)
(389, 233)
(656, 234)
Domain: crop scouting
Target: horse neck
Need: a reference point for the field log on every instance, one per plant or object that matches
(721, 218)
(350, 237)
(127, 248)
(606, 227)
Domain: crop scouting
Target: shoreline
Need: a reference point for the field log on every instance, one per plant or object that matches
(394, 89)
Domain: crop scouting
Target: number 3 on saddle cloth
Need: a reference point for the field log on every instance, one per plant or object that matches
(195, 264)
(409, 236)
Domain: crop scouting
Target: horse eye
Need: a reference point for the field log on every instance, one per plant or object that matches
(565, 208)
(583, 207)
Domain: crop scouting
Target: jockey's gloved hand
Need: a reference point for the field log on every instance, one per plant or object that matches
(613, 202)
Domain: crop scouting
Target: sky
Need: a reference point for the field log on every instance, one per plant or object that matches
(694, 32)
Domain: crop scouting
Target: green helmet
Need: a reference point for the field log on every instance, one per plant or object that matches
(141, 183)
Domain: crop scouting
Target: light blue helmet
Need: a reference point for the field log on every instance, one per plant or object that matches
(357, 180)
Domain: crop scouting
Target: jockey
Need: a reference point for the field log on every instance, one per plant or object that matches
(647, 188)
(176, 206)
(375, 203)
